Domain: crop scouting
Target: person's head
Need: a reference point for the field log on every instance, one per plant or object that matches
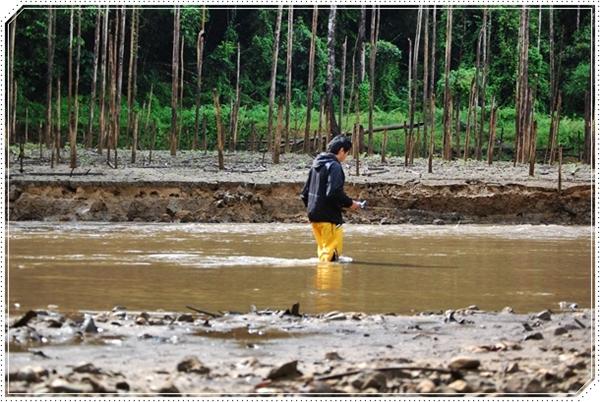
(340, 146)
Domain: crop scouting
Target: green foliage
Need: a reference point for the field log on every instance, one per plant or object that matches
(387, 71)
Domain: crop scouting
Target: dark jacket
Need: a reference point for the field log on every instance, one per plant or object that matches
(323, 194)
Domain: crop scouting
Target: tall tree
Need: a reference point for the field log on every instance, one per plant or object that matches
(484, 72)
(288, 74)
(70, 117)
(432, 93)
(447, 96)
(102, 128)
(343, 80)
(273, 76)
(425, 80)
(361, 44)
(199, 59)
(12, 85)
(236, 105)
(77, 71)
(132, 69)
(174, 81)
(122, 25)
(372, 58)
(220, 140)
(415, 65)
(311, 79)
(49, 74)
(88, 139)
(330, 112)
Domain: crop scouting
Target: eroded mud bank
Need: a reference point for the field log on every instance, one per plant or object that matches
(411, 202)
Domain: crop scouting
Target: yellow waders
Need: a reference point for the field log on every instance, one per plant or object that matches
(329, 239)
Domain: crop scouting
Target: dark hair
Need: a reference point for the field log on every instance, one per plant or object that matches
(338, 142)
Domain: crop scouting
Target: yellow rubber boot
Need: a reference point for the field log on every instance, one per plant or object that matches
(329, 239)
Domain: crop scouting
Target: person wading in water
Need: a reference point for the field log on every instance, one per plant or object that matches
(324, 197)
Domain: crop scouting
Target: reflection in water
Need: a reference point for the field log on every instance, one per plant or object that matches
(400, 268)
(328, 276)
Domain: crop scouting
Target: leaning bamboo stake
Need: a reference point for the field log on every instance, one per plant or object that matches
(277, 145)
(219, 129)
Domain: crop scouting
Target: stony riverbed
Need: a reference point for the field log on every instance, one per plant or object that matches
(465, 351)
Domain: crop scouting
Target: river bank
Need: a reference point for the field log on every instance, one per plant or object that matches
(190, 188)
(465, 351)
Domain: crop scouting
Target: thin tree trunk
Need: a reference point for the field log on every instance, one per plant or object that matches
(432, 94)
(273, 77)
(466, 152)
(384, 145)
(372, 58)
(318, 141)
(447, 104)
(77, 70)
(113, 86)
(288, 74)
(153, 144)
(88, 139)
(311, 79)
(343, 81)
(409, 103)
(277, 145)
(485, 46)
(587, 138)
(329, 109)
(58, 128)
(180, 90)
(532, 150)
(425, 82)
(49, 75)
(361, 44)
(40, 139)
(132, 69)
(134, 144)
(199, 59)
(236, 107)
(70, 117)
(13, 85)
(457, 127)
(220, 141)
(174, 81)
(492, 133)
(352, 84)
(560, 151)
(102, 133)
(204, 136)
(555, 127)
(149, 108)
(120, 79)
(415, 65)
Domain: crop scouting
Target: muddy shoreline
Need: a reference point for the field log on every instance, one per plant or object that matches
(465, 351)
(189, 188)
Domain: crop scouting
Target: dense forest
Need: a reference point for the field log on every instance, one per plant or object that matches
(478, 79)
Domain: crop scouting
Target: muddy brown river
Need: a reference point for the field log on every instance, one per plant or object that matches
(217, 267)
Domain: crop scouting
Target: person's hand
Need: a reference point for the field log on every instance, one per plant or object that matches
(355, 205)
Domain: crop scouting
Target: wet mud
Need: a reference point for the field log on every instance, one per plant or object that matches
(465, 351)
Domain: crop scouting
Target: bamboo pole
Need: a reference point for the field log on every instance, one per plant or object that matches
(199, 60)
(311, 78)
(425, 81)
(102, 128)
(343, 81)
(415, 65)
(220, 141)
(89, 134)
(77, 71)
(384, 146)
(134, 144)
(560, 151)
(72, 142)
(236, 107)
(532, 150)
(174, 81)
(447, 103)
(273, 77)
(288, 74)
(49, 77)
(277, 145)
(372, 59)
